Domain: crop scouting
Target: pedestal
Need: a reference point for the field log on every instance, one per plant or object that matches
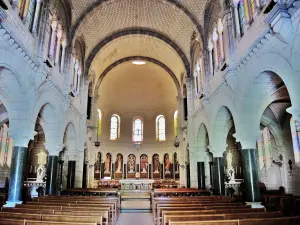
(16, 176)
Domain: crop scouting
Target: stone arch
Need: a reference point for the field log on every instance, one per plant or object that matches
(202, 139)
(139, 31)
(127, 59)
(223, 123)
(69, 139)
(17, 63)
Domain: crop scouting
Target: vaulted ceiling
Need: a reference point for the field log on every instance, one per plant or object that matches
(157, 29)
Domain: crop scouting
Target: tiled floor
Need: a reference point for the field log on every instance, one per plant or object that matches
(135, 219)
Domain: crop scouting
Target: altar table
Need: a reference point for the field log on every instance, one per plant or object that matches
(136, 184)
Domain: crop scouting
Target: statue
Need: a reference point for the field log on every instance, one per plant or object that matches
(119, 163)
(144, 164)
(167, 164)
(156, 163)
(107, 164)
(41, 170)
(131, 163)
(98, 163)
(176, 163)
(230, 170)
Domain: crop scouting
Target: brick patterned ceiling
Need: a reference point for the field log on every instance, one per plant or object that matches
(95, 20)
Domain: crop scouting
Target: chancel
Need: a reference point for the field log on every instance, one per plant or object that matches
(150, 112)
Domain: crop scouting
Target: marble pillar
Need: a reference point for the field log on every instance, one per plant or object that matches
(250, 173)
(52, 167)
(201, 175)
(16, 176)
(218, 176)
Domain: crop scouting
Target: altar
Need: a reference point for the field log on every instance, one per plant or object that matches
(136, 184)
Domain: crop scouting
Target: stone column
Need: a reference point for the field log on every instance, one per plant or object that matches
(53, 36)
(250, 172)
(220, 32)
(236, 18)
(64, 45)
(201, 175)
(16, 175)
(57, 51)
(215, 37)
(210, 47)
(36, 16)
(52, 167)
(218, 175)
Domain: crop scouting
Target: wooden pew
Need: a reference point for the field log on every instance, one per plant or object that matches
(261, 221)
(4, 221)
(202, 212)
(180, 207)
(54, 208)
(53, 218)
(168, 218)
(67, 205)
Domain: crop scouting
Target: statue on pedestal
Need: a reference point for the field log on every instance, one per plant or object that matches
(230, 170)
(144, 163)
(41, 169)
(107, 163)
(119, 163)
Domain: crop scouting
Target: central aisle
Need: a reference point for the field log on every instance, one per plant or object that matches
(135, 219)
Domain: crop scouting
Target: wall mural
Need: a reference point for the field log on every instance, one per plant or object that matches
(144, 166)
(119, 167)
(131, 164)
(156, 166)
(107, 165)
(167, 166)
(97, 167)
(176, 166)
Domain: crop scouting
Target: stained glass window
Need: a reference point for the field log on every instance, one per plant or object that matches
(298, 132)
(160, 128)
(114, 127)
(176, 123)
(241, 16)
(137, 130)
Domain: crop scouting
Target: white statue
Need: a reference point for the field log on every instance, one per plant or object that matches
(41, 169)
(230, 169)
(42, 158)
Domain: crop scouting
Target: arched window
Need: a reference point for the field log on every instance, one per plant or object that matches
(265, 148)
(99, 120)
(252, 7)
(137, 135)
(241, 12)
(76, 77)
(295, 130)
(176, 123)
(197, 78)
(114, 127)
(23, 8)
(160, 128)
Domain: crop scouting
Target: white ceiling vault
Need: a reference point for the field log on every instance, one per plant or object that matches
(158, 29)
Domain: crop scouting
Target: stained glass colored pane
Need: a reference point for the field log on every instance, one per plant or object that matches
(241, 16)
(114, 128)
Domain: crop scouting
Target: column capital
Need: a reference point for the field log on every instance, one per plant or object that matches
(215, 35)
(295, 112)
(235, 3)
(248, 140)
(21, 139)
(64, 41)
(59, 32)
(220, 26)
(53, 148)
(54, 24)
(210, 44)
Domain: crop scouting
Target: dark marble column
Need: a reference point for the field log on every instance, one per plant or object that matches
(51, 175)
(250, 175)
(218, 176)
(201, 175)
(16, 176)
